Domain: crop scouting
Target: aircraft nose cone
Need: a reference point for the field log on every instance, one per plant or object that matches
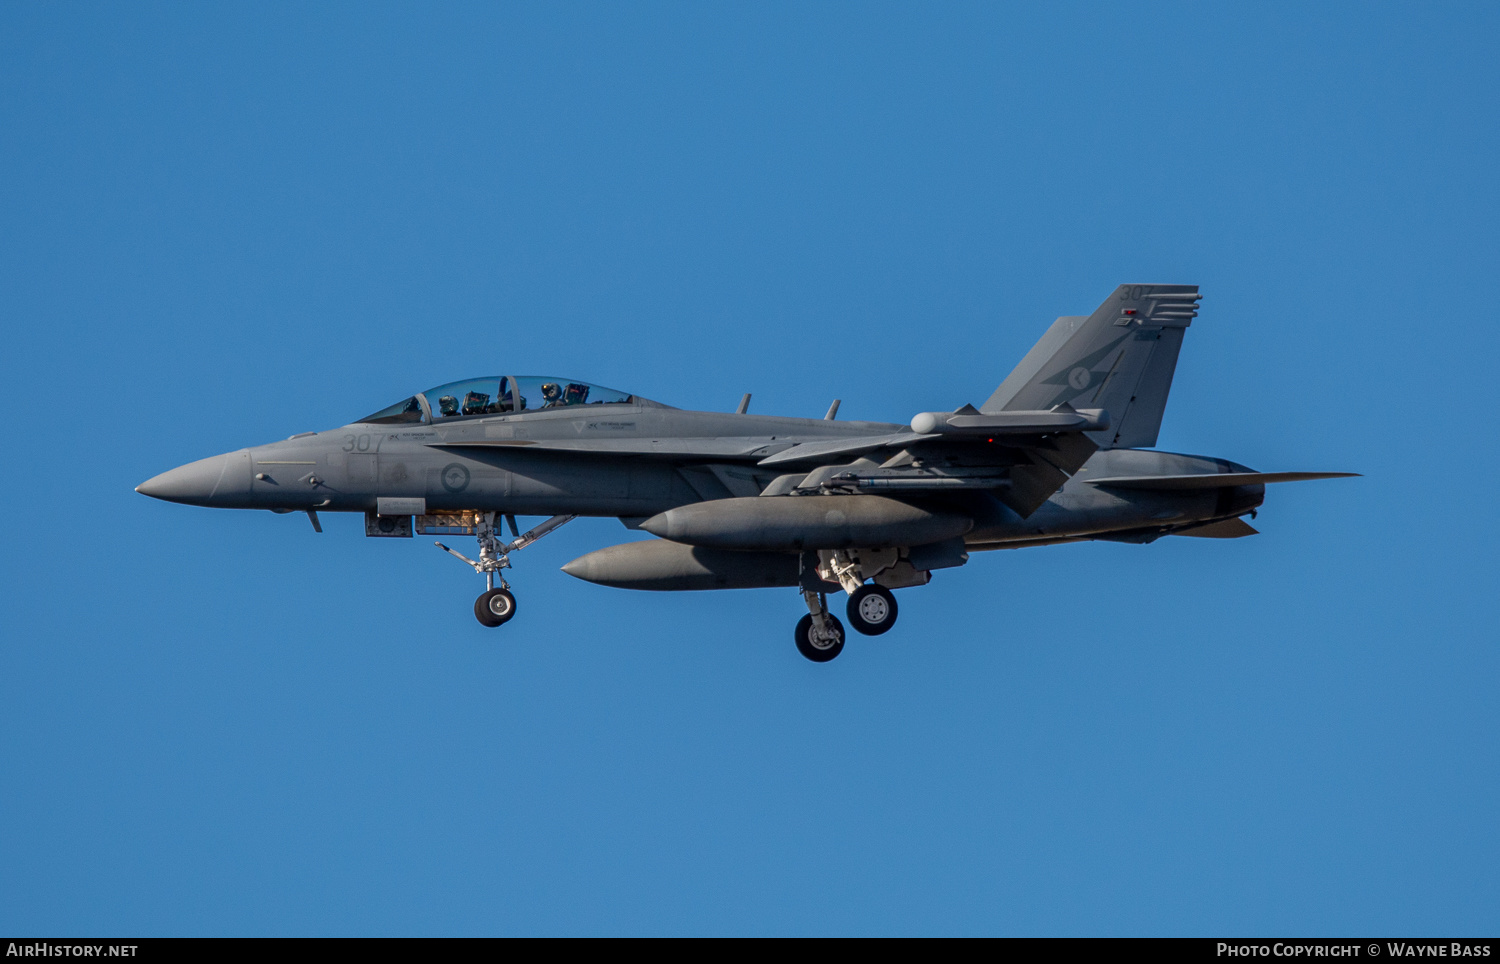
(191, 484)
(666, 525)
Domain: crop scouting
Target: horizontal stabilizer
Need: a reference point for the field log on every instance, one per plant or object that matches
(1224, 529)
(1219, 481)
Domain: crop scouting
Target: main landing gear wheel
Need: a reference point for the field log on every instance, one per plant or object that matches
(815, 646)
(495, 607)
(872, 610)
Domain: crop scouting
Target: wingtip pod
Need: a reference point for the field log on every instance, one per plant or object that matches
(923, 423)
(966, 421)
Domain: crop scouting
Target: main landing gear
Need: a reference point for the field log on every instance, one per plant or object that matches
(820, 636)
(496, 606)
(871, 609)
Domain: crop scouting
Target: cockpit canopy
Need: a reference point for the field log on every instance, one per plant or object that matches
(496, 395)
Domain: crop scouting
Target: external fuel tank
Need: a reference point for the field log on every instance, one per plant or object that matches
(795, 523)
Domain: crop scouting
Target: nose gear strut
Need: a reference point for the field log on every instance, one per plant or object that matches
(496, 606)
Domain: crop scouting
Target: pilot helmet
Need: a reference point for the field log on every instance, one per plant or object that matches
(448, 405)
(551, 392)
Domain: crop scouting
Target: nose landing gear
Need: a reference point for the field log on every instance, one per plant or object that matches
(495, 607)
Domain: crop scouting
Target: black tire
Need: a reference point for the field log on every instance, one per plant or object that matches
(872, 610)
(495, 608)
(805, 644)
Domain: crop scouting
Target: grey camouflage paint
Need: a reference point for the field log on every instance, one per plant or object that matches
(640, 459)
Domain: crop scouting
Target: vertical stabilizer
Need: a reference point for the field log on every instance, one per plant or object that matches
(1121, 359)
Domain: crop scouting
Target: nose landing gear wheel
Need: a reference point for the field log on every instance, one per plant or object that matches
(872, 610)
(816, 647)
(495, 607)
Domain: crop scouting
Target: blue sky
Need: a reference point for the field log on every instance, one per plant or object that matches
(226, 224)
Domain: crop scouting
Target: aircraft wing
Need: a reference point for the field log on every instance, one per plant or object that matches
(1021, 470)
(830, 450)
(765, 451)
(672, 448)
(965, 429)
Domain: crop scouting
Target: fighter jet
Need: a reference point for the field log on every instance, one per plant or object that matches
(1061, 452)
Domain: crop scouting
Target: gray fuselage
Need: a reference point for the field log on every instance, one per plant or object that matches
(637, 459)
